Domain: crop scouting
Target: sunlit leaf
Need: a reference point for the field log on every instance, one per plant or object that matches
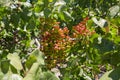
(6, 2)
(101, 22)
(32, 72)
(114, 10)
(111, 75)
(1, 75)
(15, 61)
(11, 76)
(50, 0)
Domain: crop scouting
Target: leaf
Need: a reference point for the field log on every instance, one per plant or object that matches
(61, 15)
(59, 3)
(101, 22)
(11, 76)
(50, 0)
(111, 75)
(46, 3)
(15, 61)
(32, 72)
(35, 70)
(114, 10)
(1, 75)
(47, 12)
(68, 15)
(104, 46)
(39, 7)
(39, 56)
(66, 76)
(13, 69)
(3, 54)
(15, 19)
(5, 2)
(5, 66)
(90, 23)
(61, 8)
(30, 61)
(33, 1)
(112, 58)
(48, 76)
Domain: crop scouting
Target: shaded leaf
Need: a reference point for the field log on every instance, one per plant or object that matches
(5, 66)
(48, 76)
(39, 56)
(30, 61)
(105, 45)
(13, 69)
(47, 12)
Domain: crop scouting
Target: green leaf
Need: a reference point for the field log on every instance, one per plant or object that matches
(39, 56)
(24, 14)
(39, 8)
(61, 8)
(48, 76)
(66, 76)
(4, 53)
(33, 1)
(111, 75)
(93, 37)
(90, 23)
(31, 59)
(61, 15)
(23, 0)
(15, 61)
(47, 12)
(105, 45)
(15, 19)
(50, 0)
(112, 58)
(13, 69)
(5, 66)
(46, 3)
(32, 72)
(68, 15)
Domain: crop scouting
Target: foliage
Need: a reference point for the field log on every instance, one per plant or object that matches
(20, 56)
(111, 75)
(56, 41)
(81, 34)
(13, 68)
